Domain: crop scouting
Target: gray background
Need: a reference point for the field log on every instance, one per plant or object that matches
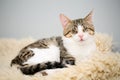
(40, 18)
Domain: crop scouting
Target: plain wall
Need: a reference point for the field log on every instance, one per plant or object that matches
(40, 18)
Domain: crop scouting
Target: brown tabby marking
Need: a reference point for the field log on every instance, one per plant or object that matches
(72, 29)
(25, 54)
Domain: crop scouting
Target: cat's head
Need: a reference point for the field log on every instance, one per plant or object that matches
(79, 29)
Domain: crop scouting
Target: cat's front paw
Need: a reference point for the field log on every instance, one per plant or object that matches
(71, 62)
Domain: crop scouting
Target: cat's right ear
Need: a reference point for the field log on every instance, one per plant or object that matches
(88, 18)
(64, 20)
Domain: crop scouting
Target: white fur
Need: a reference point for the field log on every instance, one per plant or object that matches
(44, 55)
(75, 47)
(86, 35)
(80, 49)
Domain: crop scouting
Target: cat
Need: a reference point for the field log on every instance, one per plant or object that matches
(76, 43)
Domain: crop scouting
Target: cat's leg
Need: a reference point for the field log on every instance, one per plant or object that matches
(26, 53)
(44, 73)
(67, 59)
(22, 57)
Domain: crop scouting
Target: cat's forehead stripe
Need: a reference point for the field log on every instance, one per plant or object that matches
(78, 21)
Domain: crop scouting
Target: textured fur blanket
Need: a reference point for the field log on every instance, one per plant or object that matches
(103, 65)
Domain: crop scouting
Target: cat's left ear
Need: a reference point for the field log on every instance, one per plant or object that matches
(88, 18)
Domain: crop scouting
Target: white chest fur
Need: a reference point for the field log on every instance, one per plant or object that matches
(80, 50)
(44, 55)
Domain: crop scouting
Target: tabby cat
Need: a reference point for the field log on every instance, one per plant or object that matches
(76, 43)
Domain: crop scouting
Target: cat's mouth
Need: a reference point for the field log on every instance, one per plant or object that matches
(81, 40)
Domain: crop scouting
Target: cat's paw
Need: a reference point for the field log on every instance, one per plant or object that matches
(71, 62)
(44, 73)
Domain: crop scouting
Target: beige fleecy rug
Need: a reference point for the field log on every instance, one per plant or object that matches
(103, 65)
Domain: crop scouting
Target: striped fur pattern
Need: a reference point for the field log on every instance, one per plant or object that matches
(72, 26)
(25, 59)
(25, 54)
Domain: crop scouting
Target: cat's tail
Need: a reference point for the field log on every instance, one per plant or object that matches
(30, 70)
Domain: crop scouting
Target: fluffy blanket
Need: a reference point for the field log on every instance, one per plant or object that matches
(103, 65)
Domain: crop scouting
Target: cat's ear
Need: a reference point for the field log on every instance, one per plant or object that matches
(88, 18)
(64, 20)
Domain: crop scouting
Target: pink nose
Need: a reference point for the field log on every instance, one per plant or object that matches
(80, 35)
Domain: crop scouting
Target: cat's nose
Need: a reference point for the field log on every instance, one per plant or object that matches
(81, 36)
